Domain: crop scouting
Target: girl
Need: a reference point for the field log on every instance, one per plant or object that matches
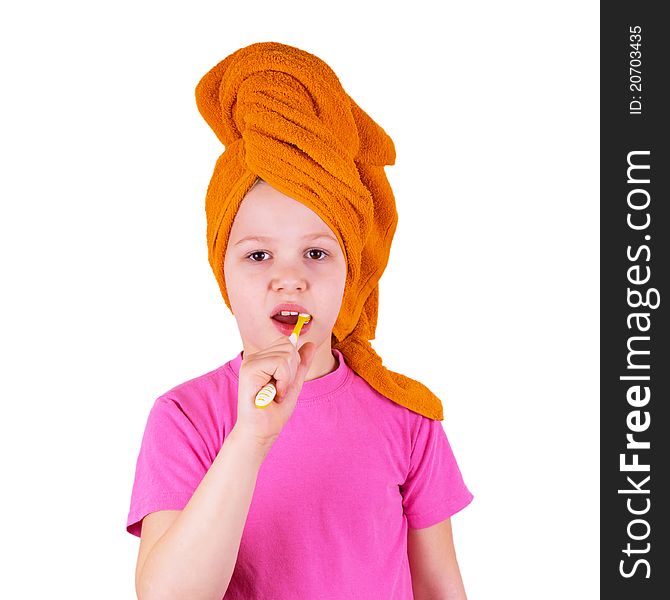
(344, 485)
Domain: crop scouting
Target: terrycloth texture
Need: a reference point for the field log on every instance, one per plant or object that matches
(334, 497)
(283, 116)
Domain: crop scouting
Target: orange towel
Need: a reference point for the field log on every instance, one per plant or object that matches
(283, 116)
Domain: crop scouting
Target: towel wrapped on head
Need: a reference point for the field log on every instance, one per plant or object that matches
(283, 116)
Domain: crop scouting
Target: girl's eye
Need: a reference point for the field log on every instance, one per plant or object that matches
(317, 250)
(255, 254)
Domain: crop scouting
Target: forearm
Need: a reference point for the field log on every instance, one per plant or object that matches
(196, 556)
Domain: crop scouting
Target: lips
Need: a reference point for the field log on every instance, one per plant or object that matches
(287, 328)
(289, 306)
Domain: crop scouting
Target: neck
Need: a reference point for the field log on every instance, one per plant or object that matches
(324, 362)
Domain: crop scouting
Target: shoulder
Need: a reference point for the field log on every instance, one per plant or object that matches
(203, 383)
(393, 418)
(408, 417)
(362, 389)
(208, 402)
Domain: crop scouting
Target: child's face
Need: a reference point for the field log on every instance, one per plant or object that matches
(284, 267)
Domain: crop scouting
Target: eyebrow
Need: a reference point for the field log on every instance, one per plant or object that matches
(263, 238)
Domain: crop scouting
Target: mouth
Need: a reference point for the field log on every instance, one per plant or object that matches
(285, 317)
(287, 312)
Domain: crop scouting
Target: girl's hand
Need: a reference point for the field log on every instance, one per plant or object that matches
(288, 366)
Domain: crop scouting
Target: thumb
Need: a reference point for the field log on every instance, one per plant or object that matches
(307, 352)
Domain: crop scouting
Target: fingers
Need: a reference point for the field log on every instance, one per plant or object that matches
(284, 363)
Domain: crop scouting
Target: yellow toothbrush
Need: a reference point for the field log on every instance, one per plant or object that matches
(269, 391)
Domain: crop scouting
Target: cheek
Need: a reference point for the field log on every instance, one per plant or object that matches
(239, 285)
(333, 290)
(340, 280)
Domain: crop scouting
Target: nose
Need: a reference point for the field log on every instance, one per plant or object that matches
(288, 277)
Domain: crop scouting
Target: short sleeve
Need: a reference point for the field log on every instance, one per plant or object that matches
(172, 461)
(434, 488)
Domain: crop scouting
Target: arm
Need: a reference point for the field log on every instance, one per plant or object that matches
(432, 559)
(196, 556)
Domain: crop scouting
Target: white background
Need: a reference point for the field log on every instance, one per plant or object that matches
(490, 298)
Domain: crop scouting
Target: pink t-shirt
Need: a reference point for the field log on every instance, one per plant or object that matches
(350, 471)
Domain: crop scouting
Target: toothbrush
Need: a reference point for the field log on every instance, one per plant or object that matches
(269, 391)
